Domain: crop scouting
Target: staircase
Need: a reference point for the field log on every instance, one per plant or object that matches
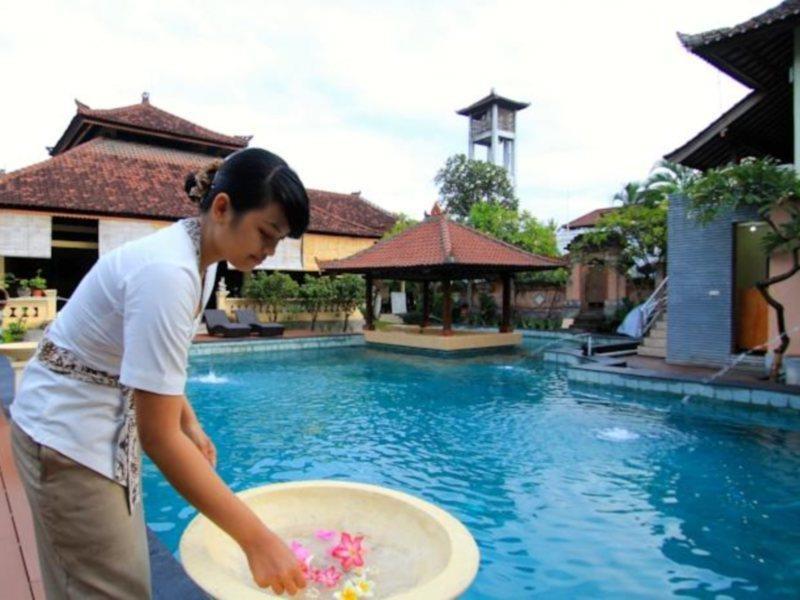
(588, 321)
(654, 343)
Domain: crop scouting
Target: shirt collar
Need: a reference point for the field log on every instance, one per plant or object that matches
(193, 229)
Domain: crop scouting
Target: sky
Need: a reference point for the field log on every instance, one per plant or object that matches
(361, 95)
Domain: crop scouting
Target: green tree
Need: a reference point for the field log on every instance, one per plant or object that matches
(524, 231)
(773, 191)
(640, 230)
(402, 222)
(669, 178)
(316, 293)
(520, 229)
(273, 290)
(464, 183)
(633, 192)
(348, 291)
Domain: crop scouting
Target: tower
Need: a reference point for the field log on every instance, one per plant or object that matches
(492, 122)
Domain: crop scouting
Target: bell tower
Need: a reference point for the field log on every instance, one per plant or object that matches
(492, 123)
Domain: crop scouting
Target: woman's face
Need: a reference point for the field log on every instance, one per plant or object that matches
(248, 241)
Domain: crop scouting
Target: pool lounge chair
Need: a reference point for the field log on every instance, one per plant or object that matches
(248, 317)
(218, 324)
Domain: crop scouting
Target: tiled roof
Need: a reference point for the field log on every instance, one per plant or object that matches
(492, 98)
(115, 177)
(352, 209)
(759, 125)
(440, 242)
(785, 10)
(143, 119)
(589, 219)
(758, 52)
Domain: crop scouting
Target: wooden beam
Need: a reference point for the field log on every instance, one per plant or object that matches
(426, 304)
(505, 322)
(369, 325)
(74, 244)
(447, 309)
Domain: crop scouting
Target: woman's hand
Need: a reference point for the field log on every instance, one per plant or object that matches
(199, 438)
(273, 564)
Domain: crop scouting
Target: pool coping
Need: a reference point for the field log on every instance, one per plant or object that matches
(764, 394)
(276, 345)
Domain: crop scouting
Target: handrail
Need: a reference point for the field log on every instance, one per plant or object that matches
(655, 306)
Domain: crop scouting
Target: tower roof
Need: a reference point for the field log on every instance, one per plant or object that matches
(492, 98)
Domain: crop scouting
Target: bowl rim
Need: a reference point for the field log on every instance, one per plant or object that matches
(457, 575)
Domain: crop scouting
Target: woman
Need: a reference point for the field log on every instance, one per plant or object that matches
(110, 374)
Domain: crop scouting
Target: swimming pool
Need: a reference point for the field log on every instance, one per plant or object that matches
(570, 490)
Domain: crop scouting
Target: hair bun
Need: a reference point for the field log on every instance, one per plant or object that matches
(189, 186)
(198, 184)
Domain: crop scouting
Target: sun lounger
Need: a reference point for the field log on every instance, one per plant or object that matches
(218, 324)
(6, 384)
(248, 317)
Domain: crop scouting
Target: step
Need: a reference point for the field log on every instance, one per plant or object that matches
(658, 332)
(652, 352)
(651, 342)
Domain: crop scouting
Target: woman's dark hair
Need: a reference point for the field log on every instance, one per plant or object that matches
(252, 178)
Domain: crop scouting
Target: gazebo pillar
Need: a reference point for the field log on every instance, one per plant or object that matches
(426, 304)
(447, 309)
(505, 321)
(369, 324)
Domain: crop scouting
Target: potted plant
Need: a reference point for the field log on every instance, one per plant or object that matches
(14, 332)
(9, 280)
(38, 284)
(23, 288)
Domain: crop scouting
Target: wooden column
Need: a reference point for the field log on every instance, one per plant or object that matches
(505, 320)
(369, 325)
(447, 309)
(426, 304)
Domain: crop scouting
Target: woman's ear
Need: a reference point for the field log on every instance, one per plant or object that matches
(221, 208)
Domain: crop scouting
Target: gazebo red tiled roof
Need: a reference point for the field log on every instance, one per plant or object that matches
(440, 247)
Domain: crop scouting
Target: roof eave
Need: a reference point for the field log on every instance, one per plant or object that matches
(679, 155)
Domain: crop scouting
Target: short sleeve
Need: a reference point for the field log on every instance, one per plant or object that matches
(158, 321)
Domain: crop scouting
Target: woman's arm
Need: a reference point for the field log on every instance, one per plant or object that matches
(159, 420)
(190, 425)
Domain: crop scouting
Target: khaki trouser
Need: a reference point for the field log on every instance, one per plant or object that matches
(89, 545)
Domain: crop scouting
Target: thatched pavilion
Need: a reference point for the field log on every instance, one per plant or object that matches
(439, 249)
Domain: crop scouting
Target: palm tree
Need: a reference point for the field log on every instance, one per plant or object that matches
(669, 177)
(632, 193)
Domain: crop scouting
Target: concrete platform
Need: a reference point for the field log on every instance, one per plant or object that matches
(431, 339)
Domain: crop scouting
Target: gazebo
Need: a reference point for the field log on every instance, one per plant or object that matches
(439, 249)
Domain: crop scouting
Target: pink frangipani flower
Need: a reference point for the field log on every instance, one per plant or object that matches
(349, 551)
(301, 552)
(325, 534)
(328, 577)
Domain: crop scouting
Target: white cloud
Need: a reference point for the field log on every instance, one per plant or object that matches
(361, 95)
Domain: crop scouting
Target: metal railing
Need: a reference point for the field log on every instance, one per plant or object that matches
(655, 306)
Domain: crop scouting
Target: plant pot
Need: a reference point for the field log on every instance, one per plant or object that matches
(23, 292)
(38, 293)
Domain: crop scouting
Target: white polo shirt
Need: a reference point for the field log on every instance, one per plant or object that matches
(133, 315)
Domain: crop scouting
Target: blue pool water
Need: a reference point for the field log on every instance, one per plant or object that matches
(571, 491)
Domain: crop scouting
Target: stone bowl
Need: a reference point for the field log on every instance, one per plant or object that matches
(417, 549)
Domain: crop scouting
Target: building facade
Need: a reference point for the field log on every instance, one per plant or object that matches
(116, 175)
